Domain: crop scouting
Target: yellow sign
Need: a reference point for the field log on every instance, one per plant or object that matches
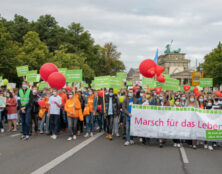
(196, 78)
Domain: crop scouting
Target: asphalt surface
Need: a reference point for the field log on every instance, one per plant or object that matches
(103, 156)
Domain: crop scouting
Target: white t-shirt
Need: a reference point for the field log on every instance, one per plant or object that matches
(54, 109)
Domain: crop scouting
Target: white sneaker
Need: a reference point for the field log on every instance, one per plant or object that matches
(210, 148)
(74, 137)
(26, 137)
(54, 137)
(97, 128)
(86, 135)
(179, 145)
(175, 145)
(91, 134)
(141, 140)
(2, 130)
(205, 146)
(131, 142)
(69, 139)
(117, 134)
(126, 143)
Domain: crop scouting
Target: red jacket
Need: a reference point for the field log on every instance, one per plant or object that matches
(11, 105)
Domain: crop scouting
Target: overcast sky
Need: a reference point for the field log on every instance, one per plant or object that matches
(136, 27)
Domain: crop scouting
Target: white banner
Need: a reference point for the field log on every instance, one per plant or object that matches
(176, 123)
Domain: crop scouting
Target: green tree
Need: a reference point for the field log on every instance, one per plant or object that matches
(63, 59)
(33, 52)
(8, 55)
(212, 66)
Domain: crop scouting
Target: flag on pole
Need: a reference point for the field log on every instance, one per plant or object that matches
(156, 57)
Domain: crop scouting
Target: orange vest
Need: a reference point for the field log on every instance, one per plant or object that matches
(69, 107)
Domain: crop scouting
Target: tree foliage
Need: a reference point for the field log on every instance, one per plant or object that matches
(34, 43)
(212, 65)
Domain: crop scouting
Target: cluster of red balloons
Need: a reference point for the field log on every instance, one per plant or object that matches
(50, 73)
(219, 93)
(186, 87)
(158, 90)
(148, 68)
(196, 91)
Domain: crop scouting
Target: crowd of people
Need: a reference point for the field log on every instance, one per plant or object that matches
(83, 112)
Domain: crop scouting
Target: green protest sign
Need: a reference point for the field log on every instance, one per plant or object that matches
(214, 134)
(1, 78)
(206, 82)
(63, 71)
(170, 84)
(115, 83)
(43, 85)
(151, 83)
(74, 75)
(22, 70)
(33, 78)
(32, 72)
(121, 75)
(166, 75)
(102, 82)
(129, 83)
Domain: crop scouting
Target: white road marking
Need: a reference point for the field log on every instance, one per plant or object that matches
(66, 155)
(184, 155)
(15, 135)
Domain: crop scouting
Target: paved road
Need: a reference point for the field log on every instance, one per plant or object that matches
(97, 155)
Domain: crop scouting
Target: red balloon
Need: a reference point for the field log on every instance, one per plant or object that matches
(47, 69)
(68, 88)
(161, 78)
(41, 102)
(218, 93)
(150, 72)
(100, 93)
(145, 66)
(186, 87)
(99, 108)
(197, 93)
(159, 70)
(57, 80)
(195, 89)
(158, 90)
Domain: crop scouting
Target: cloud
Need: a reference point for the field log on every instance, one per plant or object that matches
(139, 27)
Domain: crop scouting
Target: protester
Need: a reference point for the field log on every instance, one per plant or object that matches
(127, 108)
(2, 107)
(73, 109)
(12, 113)
(55, 103)
(24, 105)
(34, 110)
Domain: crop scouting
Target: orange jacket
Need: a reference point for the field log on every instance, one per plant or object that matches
(69, 107)
(64, 98)
(90, 103)
(46, 106)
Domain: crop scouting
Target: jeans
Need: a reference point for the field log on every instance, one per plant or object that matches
(1, 125)
(109, 120)
(54, 123)
(25, 121)
(45, 118)
(63, 119)
(100, 119)
(128, 137)
(72, 125)
(34, 118)
(116, 125)
(89, 122)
